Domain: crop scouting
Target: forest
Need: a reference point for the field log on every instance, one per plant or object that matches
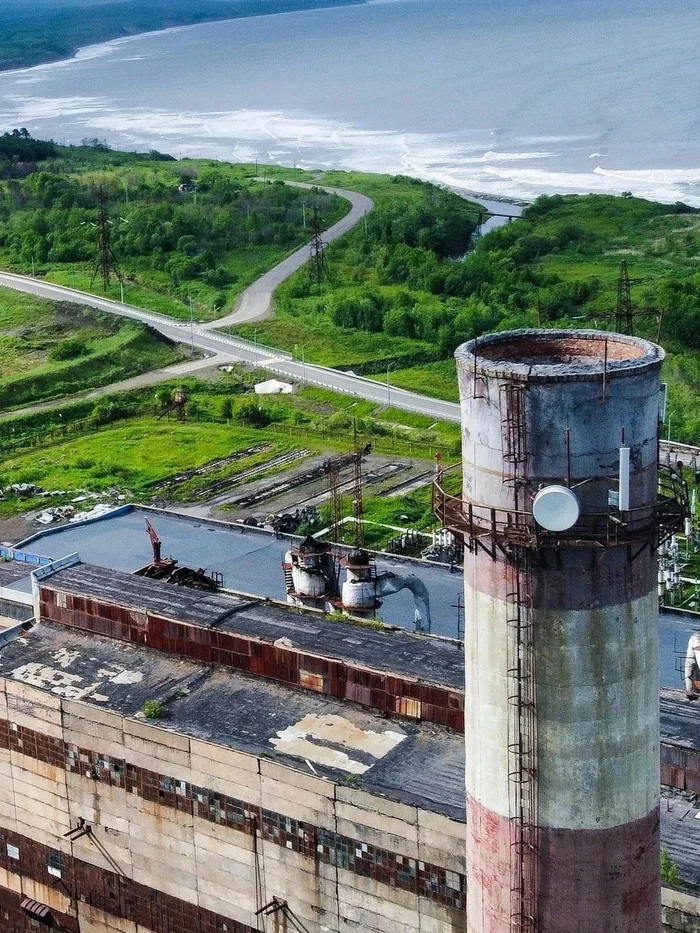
(201, 230)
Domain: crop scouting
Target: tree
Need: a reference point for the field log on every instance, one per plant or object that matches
(226, 409)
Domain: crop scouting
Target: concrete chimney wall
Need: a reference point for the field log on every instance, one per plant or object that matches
(590, 613)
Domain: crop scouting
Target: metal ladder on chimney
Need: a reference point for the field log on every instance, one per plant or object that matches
(522, 712)
(522, 749)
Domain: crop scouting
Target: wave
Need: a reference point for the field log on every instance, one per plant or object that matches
(458, 160)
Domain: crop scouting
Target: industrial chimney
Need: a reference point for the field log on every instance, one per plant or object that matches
(561, 516)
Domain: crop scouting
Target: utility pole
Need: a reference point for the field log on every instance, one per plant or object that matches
(624, 323)
(357, 498)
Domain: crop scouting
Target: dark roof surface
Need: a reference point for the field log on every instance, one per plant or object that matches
(680, 832)
(680, 719)
(425, 766)
(13, 570)
(433, 660)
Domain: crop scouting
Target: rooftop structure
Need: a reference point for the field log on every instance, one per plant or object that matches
(250, 560)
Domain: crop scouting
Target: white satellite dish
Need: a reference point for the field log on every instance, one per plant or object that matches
(555, 508)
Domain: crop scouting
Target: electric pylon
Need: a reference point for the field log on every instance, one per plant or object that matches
(318, 266)
(106, 263)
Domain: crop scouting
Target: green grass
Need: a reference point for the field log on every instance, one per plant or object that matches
(138, 186)
(438, 380)
(305, 330)
(135, 454)
(31, 331)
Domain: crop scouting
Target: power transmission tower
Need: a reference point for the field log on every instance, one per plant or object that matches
(106, 263)
(318, 266)
(624, 316)
(357, 490)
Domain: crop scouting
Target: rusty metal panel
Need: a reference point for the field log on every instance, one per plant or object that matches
(311, 681)
(674, 755)
(405, 706)
(693, 760)
(673, 777)
(357, 693)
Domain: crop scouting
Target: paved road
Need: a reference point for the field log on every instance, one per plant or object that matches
(224, 349)
(256, 301)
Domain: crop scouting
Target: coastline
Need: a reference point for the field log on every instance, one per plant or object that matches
(109, 39)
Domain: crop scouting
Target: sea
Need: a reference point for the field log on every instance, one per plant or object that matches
(508, 98)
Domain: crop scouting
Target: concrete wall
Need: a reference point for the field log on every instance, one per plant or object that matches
(151, 843)
(680, 910)
(587, 618)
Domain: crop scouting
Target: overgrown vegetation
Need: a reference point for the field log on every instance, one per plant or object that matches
(52, 349)
(670, 873)
(398, 303)
(196, 231)
(385, 301)
(153, 709)
(127, 441)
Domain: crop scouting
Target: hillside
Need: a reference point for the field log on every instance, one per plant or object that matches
(50, 30)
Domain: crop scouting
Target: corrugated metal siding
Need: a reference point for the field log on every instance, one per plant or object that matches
(379, 690)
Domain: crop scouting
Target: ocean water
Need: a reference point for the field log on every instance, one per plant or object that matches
(505, 97)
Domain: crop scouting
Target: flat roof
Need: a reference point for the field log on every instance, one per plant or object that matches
(680, 720)
(422, 765)
(250, 559)
(433, 660)
(12, 571)
(680, 832)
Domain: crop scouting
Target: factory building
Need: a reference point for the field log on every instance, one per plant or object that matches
(179, 760)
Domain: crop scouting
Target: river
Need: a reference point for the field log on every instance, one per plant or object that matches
(502, 97)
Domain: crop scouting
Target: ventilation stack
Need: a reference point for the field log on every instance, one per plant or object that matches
(561, 515)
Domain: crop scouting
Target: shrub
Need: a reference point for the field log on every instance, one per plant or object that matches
(250, 411)
(153, 709)
(68, 349)
(669, 870)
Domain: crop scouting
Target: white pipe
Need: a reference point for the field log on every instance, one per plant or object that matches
(624, 479)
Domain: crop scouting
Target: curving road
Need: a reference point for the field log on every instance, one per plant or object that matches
(255, 302)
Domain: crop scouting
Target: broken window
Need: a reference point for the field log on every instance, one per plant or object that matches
(54, 864)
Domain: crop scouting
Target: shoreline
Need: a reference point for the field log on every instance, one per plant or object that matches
(76, 54)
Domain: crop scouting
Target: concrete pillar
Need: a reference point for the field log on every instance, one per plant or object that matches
(542, 408)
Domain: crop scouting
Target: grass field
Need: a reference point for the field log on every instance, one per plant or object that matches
(134, 454)
(52, 349)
